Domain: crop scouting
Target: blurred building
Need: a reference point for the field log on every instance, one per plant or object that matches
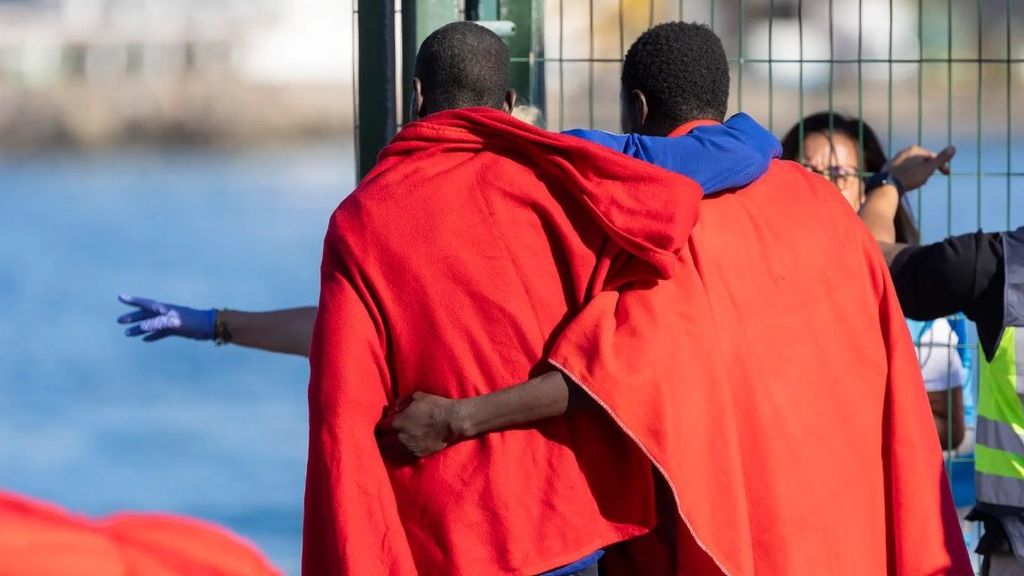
(45, 42)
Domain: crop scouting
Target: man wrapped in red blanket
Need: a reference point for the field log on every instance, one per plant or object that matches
(770, 380)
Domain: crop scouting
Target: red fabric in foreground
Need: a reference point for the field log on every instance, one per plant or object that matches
(773, 380)
(448, 270)
(41, 539)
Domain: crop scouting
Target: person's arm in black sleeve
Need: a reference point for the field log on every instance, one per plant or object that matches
(962, 273)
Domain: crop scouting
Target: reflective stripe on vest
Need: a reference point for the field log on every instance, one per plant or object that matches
(999, 454)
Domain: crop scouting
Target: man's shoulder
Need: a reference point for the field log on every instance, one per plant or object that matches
(792, 171)
(619, 142)
(387, 193)
(358, 224)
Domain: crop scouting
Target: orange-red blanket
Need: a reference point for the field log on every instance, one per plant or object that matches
(41, 539)
(772, 380)
(447, 271)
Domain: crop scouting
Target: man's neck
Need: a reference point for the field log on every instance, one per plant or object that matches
(672, 128)
(685, 128)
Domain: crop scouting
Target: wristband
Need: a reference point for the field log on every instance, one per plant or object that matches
(883, 178)
(221, 332)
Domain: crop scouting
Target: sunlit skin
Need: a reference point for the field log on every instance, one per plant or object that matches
(837, 159)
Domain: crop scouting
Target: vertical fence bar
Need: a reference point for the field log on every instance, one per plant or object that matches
(949, 86)
(520, 44)
(800, 34)
(771, 86)
(920, 98)
(622, 28)
(831, 68)
(538, 75)
(1009, 112)
(376, 90)
(949, 181)
(739, 76)
(590, 71)
(355, 82)
(888, 148)
(980, 122)
(949, 201)
(409, 47)
(561, 65)
(860, 87)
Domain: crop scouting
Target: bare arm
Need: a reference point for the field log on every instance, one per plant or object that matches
(288, 331)
(948, 411)
(913, 167)
(879, 212)
(424, 423)
(546, 396)
(890, 251)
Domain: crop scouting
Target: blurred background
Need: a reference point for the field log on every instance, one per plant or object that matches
(192, 150)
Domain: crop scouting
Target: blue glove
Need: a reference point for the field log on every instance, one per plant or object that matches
(159, 320)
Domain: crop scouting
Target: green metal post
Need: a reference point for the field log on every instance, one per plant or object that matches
(419, 19)
(526, 47)
(409, 47)
(432, 14)
(376, 79)
(481, 9)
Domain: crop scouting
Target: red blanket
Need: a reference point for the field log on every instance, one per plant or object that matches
(40, 539)
(774, 383)
(448, 270)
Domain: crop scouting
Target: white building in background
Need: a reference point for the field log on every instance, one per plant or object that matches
(45, 42)
(310, 41)
(791, 42)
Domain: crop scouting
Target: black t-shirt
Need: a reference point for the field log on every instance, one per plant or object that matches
(962, 273)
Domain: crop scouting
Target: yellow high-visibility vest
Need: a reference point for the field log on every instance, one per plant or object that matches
(999, 453)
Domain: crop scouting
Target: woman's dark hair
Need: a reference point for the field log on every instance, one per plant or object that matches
(872, 158)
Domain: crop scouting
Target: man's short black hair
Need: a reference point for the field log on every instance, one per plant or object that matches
(682, 70)
(460, 65)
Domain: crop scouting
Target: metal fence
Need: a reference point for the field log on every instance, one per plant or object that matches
(918, 71)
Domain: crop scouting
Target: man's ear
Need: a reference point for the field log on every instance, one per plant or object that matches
(638, 109)
(510, 101)
(416, 102)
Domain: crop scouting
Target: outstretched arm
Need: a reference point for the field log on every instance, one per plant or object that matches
(912, 167)
(960, 274)
(423, 423)
(287, 331)
(879, 213)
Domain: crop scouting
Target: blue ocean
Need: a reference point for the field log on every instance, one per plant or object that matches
(98, 422)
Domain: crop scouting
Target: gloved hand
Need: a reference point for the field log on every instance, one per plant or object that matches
(158, 320)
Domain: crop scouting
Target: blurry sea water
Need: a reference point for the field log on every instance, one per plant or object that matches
(98, 422)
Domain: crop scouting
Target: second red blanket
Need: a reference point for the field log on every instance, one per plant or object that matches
(772, 380)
